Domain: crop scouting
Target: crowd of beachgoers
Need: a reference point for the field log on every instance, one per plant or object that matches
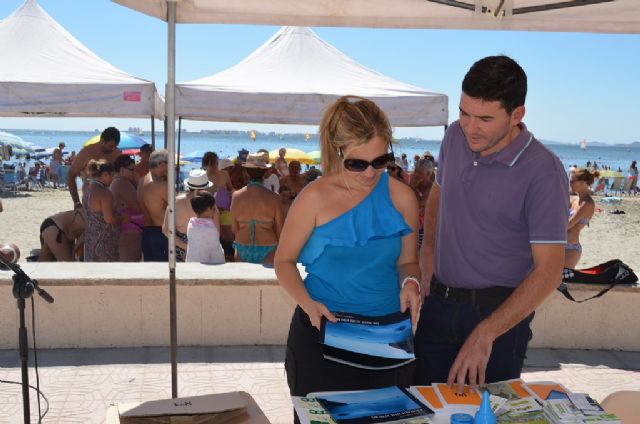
(121, 207)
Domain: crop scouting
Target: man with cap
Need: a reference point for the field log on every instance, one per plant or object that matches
(256, 215)
(196, 181)
(106, 148)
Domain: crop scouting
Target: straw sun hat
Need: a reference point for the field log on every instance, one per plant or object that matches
(257, 160)
(225, 163)
(198, 180)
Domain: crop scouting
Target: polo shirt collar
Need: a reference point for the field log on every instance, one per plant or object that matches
(510, 154)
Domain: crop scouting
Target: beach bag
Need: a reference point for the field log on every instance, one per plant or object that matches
(610, 273)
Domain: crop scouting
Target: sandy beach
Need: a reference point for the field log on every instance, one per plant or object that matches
(609, 236)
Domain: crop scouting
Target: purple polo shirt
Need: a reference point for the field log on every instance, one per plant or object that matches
(493, 208)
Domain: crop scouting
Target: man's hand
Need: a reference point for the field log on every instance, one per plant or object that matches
(316, 311)
(472, 360)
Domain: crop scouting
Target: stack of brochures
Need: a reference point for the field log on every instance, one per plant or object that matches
(381, 342)
(508, 398)
(577, 408)
(386, 405)
(513, 401)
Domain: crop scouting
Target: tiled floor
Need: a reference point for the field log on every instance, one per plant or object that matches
(80, 384)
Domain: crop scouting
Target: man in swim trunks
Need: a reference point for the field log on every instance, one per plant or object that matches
(152, 198)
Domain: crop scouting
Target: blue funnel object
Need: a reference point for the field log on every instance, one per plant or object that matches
(485, 414)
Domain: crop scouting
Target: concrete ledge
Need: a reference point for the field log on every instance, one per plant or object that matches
(127, 305)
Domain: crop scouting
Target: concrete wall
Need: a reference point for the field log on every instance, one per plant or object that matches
(127, 305)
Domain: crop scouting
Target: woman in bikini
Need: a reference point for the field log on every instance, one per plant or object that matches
(256, 215)
(102, 234)
(580, 213)
(61, 235)
(123, 188)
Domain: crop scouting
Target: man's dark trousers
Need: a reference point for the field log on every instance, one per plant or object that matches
(443, 328)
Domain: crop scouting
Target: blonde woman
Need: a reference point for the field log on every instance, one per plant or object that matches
(355, 231)
(580, 213)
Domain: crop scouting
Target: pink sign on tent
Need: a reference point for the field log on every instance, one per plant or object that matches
(131, 96)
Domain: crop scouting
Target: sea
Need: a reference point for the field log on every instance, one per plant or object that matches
(227, 144)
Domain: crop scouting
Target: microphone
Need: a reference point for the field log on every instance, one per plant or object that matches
(23, 285)
(10, 253)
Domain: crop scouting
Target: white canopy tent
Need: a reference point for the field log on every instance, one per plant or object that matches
(47, 72)
(607, 16)
(293, 77)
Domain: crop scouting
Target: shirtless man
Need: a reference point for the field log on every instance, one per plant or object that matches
(184, 212)
(152, 198)
(256, 215)
(106, 148)
(142, 167)
(125, 198)
(295, 180)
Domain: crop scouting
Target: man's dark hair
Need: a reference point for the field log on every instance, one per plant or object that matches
(207, 159)
(123, 161)
(497, 78)
(202, 201)
(255, 174)
(146, 148)
(111, 134)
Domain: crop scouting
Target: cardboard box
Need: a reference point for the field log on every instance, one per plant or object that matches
(222, 408)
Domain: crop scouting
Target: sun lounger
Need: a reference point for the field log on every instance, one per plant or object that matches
(616, 186)
(11, 183)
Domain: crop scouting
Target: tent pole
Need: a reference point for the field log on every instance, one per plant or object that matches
(153, 133)
(178, 155)
(171, 183)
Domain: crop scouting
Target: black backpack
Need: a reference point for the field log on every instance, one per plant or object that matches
(613, 272)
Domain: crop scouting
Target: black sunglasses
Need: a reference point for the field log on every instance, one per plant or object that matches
(360, 165)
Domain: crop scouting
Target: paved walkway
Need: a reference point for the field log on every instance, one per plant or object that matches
(81, 384)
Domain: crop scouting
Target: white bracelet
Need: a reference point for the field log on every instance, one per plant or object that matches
(412, 279)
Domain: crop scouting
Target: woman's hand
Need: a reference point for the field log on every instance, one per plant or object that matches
(316, 311)
(410, 298)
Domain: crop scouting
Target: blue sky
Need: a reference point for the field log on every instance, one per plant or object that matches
(580, 85)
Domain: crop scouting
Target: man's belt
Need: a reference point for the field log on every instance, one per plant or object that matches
(490, 297)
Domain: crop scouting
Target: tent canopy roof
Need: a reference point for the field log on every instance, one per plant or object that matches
(291, 79)
(608, 16)
(44, 69)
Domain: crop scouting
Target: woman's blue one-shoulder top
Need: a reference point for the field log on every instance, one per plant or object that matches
(351, 260)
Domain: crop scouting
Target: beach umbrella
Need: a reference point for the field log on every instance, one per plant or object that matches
(292, 154)
(18, 145)
(131, 152)
(194, 156)
(127, 141)
(315, 155)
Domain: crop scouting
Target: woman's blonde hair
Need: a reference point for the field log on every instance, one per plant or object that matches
(95, 168)
(349, 122)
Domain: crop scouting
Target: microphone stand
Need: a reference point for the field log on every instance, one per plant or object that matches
(23, 288)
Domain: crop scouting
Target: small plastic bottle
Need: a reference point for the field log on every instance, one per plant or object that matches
(461, 419)
(485, 414)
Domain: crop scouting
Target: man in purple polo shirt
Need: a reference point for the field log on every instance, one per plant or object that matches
(495, 228)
